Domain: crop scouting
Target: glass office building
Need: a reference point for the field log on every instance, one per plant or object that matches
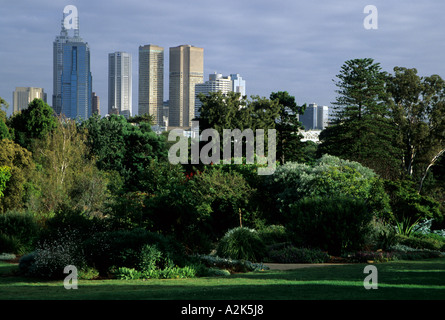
(72, 83)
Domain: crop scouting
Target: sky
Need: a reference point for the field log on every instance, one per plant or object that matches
(293, 46)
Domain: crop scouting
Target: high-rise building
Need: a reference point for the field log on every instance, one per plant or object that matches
(22, 96)
(238, 84)
(72, 80)
(96, 104)
(186, 71)
(120, 93)
(151, 82)
(315, 117)
(216, 83)
(322, 117)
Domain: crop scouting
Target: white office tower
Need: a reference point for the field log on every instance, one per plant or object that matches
(120, 83)
(215, 83)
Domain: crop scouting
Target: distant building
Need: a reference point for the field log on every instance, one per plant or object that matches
(151, 82)
(72, 79)
(186, 71)
(22, 96)
(120, 91)
(96, 104)
(216, 83)
(238, 84)
(315, 117)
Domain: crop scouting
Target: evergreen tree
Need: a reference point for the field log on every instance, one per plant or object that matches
(362, 129)
(289, 144)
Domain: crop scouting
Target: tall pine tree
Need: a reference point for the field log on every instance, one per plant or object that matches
(362, 129)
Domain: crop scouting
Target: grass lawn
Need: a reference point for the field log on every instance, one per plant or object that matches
(401, 280)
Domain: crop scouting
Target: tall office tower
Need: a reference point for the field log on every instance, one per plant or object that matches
(322, 117)
(96, 104)
(239, 85)
(216, 83)
(120, 83)
(72, 80)
(22, 96)
(186, 71)
(151, 82)
(309, 118)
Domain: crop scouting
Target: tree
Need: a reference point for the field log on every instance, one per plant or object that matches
(231, 111)
(418, 105)
(362, 129)
(19, 160)
(35, 122)
(4, 130)
(5, 174)
(66, 177)
(289, 145)
(123, 147)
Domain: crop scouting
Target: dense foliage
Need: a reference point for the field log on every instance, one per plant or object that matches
(102, 195)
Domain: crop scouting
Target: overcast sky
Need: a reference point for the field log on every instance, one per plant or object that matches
(294, 46)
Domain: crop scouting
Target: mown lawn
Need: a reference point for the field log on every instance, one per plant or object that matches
(402, 280)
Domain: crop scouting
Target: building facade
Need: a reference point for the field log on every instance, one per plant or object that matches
(151, 82)
(22, 96)
(238, 84)
(120, 88)
(186, 71)
(315, 117)
(216, 83)
(72, 79)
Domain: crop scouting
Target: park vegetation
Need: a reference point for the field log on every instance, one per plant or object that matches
(100, 194)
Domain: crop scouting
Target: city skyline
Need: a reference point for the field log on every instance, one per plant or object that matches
(294, 47)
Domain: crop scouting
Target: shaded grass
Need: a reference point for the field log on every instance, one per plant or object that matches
(402, 280)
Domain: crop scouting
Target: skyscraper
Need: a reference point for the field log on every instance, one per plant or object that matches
(72, 80)
(315, 117)
(120, 83)
(151, 82)
(186, 70)
(22, 96)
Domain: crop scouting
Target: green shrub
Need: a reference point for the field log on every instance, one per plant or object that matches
(420, 242)
(291, 254)
(18, 232)
(50, 258)
(232, 265)
(329, 176)
(241, 244)
(332, 224)
(123, 249)
(273, 234)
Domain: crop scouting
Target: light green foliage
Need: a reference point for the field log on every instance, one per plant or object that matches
(66, 175)
(21, 166)
(329, 176)
(5, 174)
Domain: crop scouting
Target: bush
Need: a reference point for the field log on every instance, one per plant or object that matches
(125, 248)
(273, 234)
(332, 224)
(241, 244)
(291, 254)
(420, 242)
(232, 265)
(18, 232)
(50, 258)
(329, 176)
